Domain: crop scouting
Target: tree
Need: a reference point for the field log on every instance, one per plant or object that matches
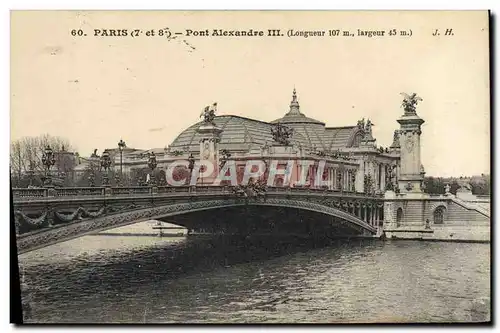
(436, 185)
(92, 170)
(481, 185)
(26, 157)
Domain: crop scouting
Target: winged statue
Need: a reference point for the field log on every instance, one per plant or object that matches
(208, 114)
(410, 102)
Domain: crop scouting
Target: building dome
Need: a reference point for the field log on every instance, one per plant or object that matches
(242, 134)
(318, 136)
(238, 134)
(294, 116)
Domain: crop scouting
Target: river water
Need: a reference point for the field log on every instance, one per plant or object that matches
(125, 279)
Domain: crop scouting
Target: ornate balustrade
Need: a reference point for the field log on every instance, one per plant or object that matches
(171, 189)
(130, 190)
(29, 192)
(66, 192)
(78, 191)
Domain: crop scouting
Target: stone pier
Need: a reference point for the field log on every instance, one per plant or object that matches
(442, 217)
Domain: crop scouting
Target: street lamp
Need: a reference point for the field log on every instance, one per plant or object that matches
(105, 164)
(225, 157)
(202, 171)
(117, 180)
(152, 165)
(190, 166)
(48, 160)
(31, 173)
(121, 146)
(91, 178)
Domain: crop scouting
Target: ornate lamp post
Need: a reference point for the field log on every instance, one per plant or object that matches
(190, 165)
(48, 160)
(31, 173)
(117, 180)
(121, 146)
(225, 157)
(152, 165)
(105, 164)
(91, 179)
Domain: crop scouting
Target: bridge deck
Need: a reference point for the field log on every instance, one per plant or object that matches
(66, 193)
(72, 212)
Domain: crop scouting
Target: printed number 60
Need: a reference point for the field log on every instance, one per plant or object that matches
(78, 32)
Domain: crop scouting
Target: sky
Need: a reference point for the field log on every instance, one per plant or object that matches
(95, 91)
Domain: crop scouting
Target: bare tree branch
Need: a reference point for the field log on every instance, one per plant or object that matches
(26, 155)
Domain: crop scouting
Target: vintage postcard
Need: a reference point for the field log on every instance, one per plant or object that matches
(251, 166)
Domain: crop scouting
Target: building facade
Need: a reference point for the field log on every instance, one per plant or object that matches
(354, 163)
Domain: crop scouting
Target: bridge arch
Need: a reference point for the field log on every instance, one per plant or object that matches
(49, 236)
(185, 208)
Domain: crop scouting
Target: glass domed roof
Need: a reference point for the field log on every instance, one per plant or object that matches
(242, 134)
(238, 133)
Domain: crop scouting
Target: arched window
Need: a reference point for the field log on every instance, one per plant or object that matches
(439, 215)
(399, 216)
(357, 140)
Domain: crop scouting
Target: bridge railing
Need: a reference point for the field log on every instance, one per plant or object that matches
(29, 192)
(171, 189)
(65, 192)
(77, 192)
(112, 191)
(130, 190)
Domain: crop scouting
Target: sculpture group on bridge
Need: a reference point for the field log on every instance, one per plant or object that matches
(253, 189)
(410, 102)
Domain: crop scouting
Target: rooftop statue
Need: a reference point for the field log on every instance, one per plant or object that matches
(395, 139)
(208, 114)
(368, 126)
(361, 123)
(281, 134)
(410, 102)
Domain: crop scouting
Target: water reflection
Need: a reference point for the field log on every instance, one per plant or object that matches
(256, 279)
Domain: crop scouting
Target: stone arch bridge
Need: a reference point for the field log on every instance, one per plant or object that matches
(47, 216)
